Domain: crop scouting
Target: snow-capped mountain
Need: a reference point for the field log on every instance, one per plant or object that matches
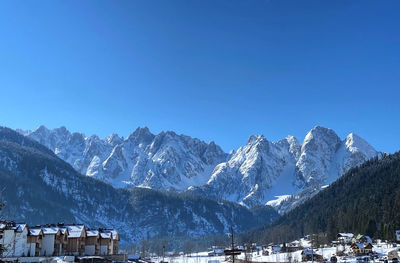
(256, 173)
(252, 172)
(38, 187)
(162, 161)
(263, 171)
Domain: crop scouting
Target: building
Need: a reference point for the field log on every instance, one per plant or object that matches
(216, 251)
(61, 242)
(362, 239)
(76, 239)
(106, 241)
(34, 242)
(14, 239)
(293, 246)
(310, 255)
(49, 244)
(345, 238)
(20, 240)
(359, 249)
(92, 244)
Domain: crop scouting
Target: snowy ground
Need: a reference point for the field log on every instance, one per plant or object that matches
(192, 259)
(381, 248)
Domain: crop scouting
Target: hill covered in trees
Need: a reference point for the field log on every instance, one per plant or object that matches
(365, 200)
(38, 187)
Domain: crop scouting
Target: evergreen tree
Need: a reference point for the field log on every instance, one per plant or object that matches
(364, 200)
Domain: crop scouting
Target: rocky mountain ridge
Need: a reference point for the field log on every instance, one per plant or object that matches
(38, 188)
(254, 174)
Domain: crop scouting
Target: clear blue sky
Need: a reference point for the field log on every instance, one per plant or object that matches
(216, 70)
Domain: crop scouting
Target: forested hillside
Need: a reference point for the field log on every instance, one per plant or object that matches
(38, 187)
(364, 200)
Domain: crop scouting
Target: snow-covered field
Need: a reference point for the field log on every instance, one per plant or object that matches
(327, 252)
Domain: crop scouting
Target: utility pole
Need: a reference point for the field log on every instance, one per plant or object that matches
(233, 245)
(163, 253)
(312, 249)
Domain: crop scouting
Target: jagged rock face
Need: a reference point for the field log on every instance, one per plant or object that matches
(252, 170)
(324, 157)
(163, 161)
(252, 175)
(317, 152)
(263, 170)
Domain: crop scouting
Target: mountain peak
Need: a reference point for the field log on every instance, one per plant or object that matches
(41, 129)
(257, 171)
(355, 143)
(142, 134)
(320, 130)
(319, 135)
(113, 139)
(256, 139)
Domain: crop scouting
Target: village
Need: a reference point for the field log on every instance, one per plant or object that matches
(347, 248)
(57, 242)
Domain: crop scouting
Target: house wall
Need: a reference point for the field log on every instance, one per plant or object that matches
(47, 245)
(91, 240)
(26, 250)
(112, 247)
(115, 247)
(90, 250)
(73, 245)
(20, 243)
(104, 250)
(8, 243)
(31, 249)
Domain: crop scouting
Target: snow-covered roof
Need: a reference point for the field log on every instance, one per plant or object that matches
(114, 234)
(50, 230)
(73, 228)
(106, 235)
(62, 229)
(75, 231)
(361, 245)
(349, 235)
(19, 227)
(276, 248)
(308, 252)
(92, 233)
(368, 239)
(35, 231)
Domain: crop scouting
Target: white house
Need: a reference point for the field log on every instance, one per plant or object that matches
(48, 242)
(14, 239)
(345, 238)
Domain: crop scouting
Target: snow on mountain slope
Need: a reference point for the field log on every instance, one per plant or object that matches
(256, 173)
(252, 171)
(349, 153)
(317, 152)
(38, 187)
(163, 161)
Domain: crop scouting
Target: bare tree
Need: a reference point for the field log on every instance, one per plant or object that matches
(290, 257)
(2, 249)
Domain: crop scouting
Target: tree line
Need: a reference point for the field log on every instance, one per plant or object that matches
(364, 200)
